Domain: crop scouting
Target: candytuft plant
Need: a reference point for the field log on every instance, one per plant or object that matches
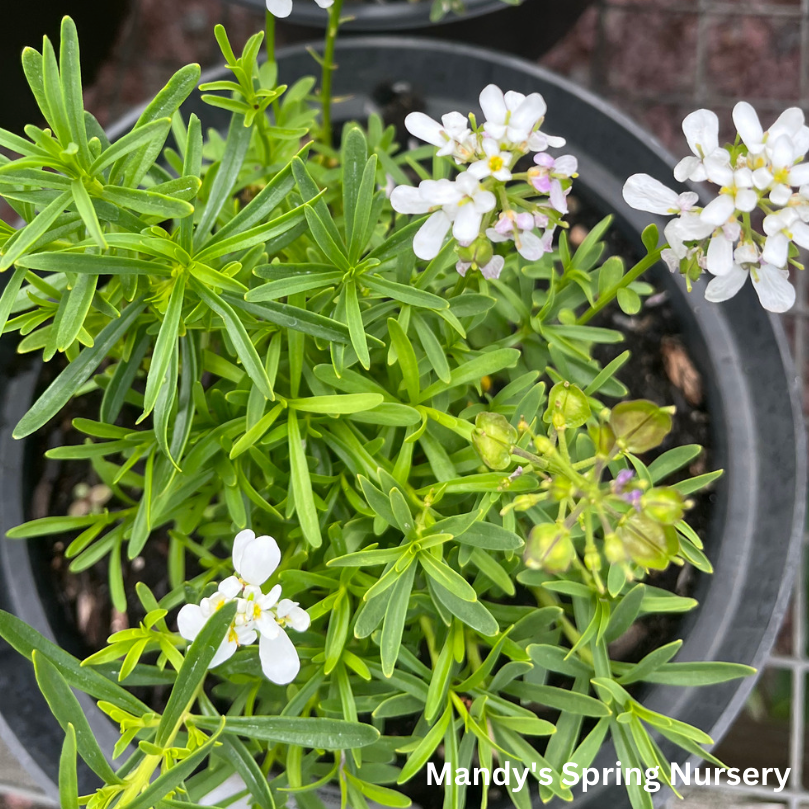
(354, 389)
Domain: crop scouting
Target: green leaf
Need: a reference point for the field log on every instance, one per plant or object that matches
(141, 137)
(404, 294)
(472, 613)
(295, 318)
(68, 712)
(356, 329)
(559, 698)
(93, 263)
(406, 358)
(395, 617)
(490, 362)
(70, 319)
(147, 202)
(703, 672)
(237, 333)
(421, 755)
(302, 485)
(26, 640)
(68, 777)
(165, 346)
(64, 387)
(672, 460)
(193, 672)
(70, 69)
(24, 239)
(443, 575)
(315, 732)
(337, 404)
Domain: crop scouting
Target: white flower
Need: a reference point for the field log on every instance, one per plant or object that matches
(781, 229)
(495, 163)
(193, 617)
(511, 117)
(736, 192)
(283, 8)
(701, 129)
(771, 284)
(644, 193)
(452, 135)
(257, 614)
(459, 204)
(790, 123)
(780, 174)
(546, 177)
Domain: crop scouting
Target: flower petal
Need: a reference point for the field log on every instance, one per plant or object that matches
(258, 560)
(240, 542)
(467, 223)
(776, 249)
(406, 199)
(773, 288)
(720, 255)
(279, 8)
(644, 193)
(424, 128)
(800, 234)
(690, 168)
(430, 237)
(531, 247)
(230, 587)
(748, 125)
(718, 211)
(529, 112)
(279, 659)
(493, 104)
(799, 175)
(746, 199)
(789, 123)
(190, 621)
(724, 287)
(493, 269)
(701, 129)
(226, 650)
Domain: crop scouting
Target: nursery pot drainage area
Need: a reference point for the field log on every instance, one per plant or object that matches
(730, 607)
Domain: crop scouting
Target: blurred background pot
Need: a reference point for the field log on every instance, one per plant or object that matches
(740, 350)
(528, 29)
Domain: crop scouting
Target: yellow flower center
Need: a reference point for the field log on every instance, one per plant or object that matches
(496, 162)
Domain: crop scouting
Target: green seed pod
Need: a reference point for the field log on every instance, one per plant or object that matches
(568, 407)
(614, 549)
(549, 548)
(665, 505)
(603, 438)
(640, 425)
(649, 543)
(483, 251)
(493, 438)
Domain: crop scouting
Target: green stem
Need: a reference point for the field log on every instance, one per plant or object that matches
(632, 275)
(328, 68)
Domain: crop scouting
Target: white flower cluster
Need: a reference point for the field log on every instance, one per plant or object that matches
(762, 180)
(259, 615)
(476, 205)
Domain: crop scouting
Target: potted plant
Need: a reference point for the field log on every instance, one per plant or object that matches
(350, 427)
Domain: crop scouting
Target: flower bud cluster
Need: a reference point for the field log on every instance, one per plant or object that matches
(756, 222)
(479, 205)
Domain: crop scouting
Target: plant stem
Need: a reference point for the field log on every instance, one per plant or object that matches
(633, 275)
(328, 68)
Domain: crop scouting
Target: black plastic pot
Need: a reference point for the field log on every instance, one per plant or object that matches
(528, 30)
(740, 350)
